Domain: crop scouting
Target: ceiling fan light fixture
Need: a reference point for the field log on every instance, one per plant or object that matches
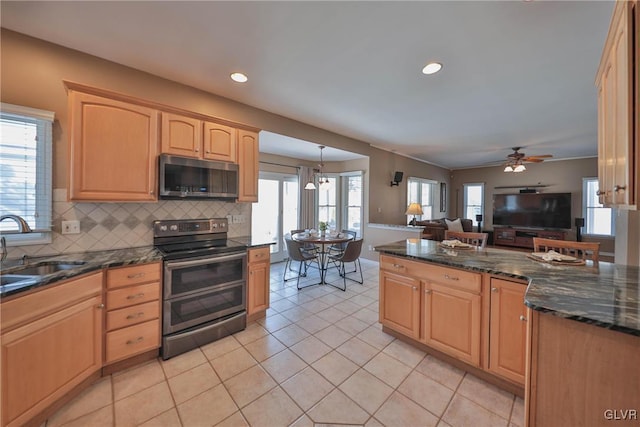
(520, 168)
(239, 77)
(508, 168)
(432, 68)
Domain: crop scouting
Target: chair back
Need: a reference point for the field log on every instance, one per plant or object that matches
(476, 239)
(582, 250)
(294, 248)
(352, 251)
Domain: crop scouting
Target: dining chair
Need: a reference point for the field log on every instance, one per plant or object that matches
(350, 254)
(582, 250)
(476, 239)
(338, 248)
(309, 247)
(297, 253)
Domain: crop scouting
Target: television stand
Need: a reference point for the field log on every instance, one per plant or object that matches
(523, 237)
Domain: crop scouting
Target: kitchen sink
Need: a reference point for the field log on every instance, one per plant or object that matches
(43, 268)
(10, 279)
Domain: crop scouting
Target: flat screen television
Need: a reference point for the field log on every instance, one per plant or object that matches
(539, 210)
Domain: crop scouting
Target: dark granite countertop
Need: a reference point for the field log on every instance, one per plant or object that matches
(92, 261)
(605, 294)
(251, 242)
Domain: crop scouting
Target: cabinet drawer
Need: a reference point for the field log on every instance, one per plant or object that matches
(461, 279)
(456, 278)
(125, 276)
(133, 315)
(259, 254)
(130, 341)
(133, 295)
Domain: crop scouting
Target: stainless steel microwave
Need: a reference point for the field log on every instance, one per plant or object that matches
(187, 178)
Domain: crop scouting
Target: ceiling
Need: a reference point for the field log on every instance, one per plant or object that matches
(516, 73)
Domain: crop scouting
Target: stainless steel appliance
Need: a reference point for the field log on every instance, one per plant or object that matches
(184, 177)
(204, 292)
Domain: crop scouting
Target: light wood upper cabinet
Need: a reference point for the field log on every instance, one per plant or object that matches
(617, 112)
(248, 152)
(46, 354)
(220, 142)
(258, 281)
(507, 338)
(181, 135)
(112, 149)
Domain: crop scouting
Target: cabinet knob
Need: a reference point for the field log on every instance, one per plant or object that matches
(524, 319)
(151, 192)
(251, 273)
(415, 288)
(427, 291)
(617, 188)
(398, 266)
(494, 289)
(446, 276)
(101, 306)
(600, 193)
(208, 152)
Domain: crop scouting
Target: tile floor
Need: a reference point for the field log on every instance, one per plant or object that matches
(319, 357)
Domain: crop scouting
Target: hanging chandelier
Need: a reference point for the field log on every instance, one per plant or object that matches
(323, 181)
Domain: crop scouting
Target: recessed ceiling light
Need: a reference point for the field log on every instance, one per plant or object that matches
(432, 68)
(239, 77)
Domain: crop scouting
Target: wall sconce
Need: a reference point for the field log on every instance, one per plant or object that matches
(397, 179)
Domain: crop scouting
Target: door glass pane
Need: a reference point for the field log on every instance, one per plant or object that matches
(264, 218)
(289, 207)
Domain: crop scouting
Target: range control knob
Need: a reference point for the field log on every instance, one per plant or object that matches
(173, 228)
(163, 228)
(214, 225)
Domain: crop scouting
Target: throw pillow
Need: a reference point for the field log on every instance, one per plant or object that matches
(455, 225)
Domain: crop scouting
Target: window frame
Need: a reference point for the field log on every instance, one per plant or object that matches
(44, 166)
(427, 213)
(465, 203)
(341, 190)
(585, 207)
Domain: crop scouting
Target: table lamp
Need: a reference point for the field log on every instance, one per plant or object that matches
(413, 209)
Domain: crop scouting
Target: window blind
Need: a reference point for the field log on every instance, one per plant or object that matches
(25, 169)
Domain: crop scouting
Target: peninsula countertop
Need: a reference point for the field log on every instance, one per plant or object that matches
(602, 294)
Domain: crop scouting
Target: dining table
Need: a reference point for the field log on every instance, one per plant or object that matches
(324, 241)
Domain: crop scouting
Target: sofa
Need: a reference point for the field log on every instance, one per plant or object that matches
(434, 228)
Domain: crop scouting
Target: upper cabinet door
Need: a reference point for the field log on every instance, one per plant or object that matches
(220, 142)
(113, 148)
(181, 135)
(617, 108)
(248, 166)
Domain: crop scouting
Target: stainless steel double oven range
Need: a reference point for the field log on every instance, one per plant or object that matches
(204, 292)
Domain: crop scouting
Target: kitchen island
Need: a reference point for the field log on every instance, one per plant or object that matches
(580, 324)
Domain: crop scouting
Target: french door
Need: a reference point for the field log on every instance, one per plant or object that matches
(276, 212)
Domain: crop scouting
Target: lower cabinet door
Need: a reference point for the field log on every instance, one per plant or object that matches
(400, 304)
(258, 287)
(44, 359)
(451, 321)
(507, 333)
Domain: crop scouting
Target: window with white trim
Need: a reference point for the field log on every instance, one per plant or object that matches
(25, 171)
(473, 201)
(598, 220)
(421, 191)
(343, 190)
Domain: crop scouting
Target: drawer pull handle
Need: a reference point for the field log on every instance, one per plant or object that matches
(600, 193)
(494, 289)
(135, 276)
(524, 319)
(617, 188)
(136, 341)
(446, 276)
(135, 316)
(398, 266)
(415, 288)
(136, 296)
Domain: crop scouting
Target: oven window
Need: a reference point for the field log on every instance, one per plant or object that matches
(206, 306)
(185, 280)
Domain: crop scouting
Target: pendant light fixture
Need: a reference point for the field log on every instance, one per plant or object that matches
(323, 181)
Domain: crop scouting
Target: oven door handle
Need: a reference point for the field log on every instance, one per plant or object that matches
(195, 262)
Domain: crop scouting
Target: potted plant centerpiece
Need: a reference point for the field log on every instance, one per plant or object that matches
(322, 226)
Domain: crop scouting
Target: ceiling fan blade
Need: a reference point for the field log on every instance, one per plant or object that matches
(541, 156)
(532, 160)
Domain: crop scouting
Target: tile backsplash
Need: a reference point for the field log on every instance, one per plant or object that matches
(123, 225)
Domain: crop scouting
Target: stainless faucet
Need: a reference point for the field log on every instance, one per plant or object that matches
(23, 227)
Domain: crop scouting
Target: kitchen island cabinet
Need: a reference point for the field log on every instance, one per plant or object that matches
(51, 344)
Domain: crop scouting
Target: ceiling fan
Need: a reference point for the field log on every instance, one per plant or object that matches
(515, 161)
